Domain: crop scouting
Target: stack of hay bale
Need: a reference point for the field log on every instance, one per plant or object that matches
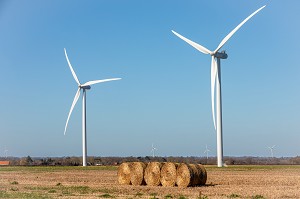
(166, 174)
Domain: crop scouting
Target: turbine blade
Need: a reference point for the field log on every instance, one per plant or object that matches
(236, 29)
(72, 107)
(213, 82)
(99, 81)
(71, 68)
(195, 45)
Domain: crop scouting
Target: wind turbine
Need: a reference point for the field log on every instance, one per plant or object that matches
(5, 152)
(153, 150)
(271, 149)
(206, 151)
(83, 87)
(216, 57)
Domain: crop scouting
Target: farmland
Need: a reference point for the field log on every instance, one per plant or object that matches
(101, 182)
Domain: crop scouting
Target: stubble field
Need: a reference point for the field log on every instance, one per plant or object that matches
(101, 182)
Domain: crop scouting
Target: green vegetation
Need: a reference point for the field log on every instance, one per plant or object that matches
(39, 169)
(15, 195)
(79, 189)
(37, 188)
(153, 196)
(168, 196)
(107, 190)
(257, 197)
(14, 182)
(106, 195)
(138, 194)
(182, 197)
(234, 196)
(242, 168)
(73, 190)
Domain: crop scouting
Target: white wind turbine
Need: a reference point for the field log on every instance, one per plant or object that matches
(271, 149)
(216, 81)
(5, 152)
(153, 150)
(83, 87)
(206, 151)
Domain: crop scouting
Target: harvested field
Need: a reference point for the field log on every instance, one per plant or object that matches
(101, 182)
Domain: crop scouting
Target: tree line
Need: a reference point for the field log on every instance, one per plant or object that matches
(98, 161)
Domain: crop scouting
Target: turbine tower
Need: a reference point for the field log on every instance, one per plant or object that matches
(153, 150)
(83, 87)
(216, 57)
(271, 149)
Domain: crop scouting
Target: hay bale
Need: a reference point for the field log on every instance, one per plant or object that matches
(203, 175)
(137, 170)
(191, 175)
(185, 175)
(168, 174)
(197, 178)
(152, 173)
(124, 173)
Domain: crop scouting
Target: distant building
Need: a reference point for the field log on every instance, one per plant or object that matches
(4, 163)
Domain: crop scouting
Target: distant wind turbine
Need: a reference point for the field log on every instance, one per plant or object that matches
(216, 57)
(206, 151)
(153, 151)
(5, 152)
(83, 87)
(271, 149)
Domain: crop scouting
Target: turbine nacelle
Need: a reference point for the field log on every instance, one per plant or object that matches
(221, 55)
(84, 87)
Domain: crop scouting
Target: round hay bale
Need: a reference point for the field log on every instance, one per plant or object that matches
(124, 173)
(203, 175)
(152, 173)
(196, 174)
(185, 175)
(137, 170)
(168, 174)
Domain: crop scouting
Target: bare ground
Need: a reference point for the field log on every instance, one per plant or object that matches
(98, 182)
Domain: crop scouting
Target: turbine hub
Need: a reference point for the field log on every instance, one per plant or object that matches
(85, 87)
(221, 55)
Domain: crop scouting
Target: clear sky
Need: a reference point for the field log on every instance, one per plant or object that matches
(164, 95)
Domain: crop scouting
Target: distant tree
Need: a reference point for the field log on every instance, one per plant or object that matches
(29, 160)
(296, 160)
(147, 158)
(26, 161)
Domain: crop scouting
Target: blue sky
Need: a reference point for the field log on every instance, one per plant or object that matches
(164, 95)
